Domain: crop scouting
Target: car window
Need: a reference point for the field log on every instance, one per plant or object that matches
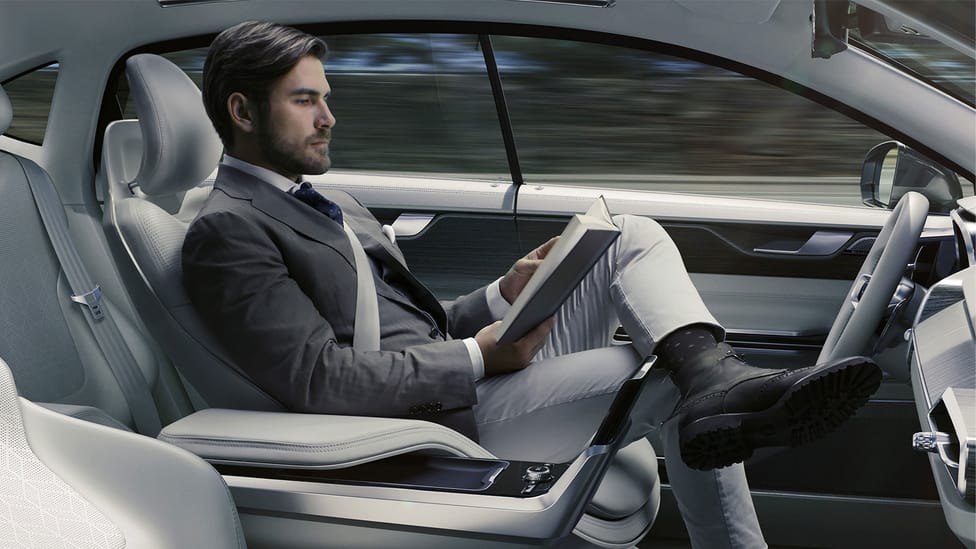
(601, 115)
(30, 96)
(404, 104)
(414, 103)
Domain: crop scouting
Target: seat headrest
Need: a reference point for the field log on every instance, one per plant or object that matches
(6, 111)
(180, 147)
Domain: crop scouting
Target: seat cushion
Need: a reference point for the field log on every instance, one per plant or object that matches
(86, 413)
(37, 507)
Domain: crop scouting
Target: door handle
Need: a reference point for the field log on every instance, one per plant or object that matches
(411, 224)
(820, 244)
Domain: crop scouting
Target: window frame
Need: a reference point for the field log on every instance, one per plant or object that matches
(47, 118)
(111, 111)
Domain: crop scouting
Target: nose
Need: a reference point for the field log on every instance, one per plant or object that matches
(325, 118)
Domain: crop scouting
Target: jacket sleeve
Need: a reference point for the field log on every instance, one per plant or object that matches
(239, 283)
(468, 314)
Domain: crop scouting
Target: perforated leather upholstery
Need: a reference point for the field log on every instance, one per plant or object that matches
(70, 483)
(43, 334)
(149, 214)
(180, 145)
(39, 508)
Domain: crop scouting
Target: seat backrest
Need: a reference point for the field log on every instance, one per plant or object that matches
(67, 482)
(148, 212)
(54, 354)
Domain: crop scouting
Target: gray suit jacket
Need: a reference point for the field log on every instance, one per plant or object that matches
(275, 281)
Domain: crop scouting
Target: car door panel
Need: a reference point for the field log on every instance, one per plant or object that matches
(473, 239)
(469, 240)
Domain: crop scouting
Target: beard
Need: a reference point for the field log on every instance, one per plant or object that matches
(290, 157)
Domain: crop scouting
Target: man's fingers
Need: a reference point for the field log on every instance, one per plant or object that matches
(526, 266)
(543, 250)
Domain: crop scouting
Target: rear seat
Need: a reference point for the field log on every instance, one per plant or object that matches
(44, 336)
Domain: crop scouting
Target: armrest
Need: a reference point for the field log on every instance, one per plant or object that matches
(285, 466)
(276, 439)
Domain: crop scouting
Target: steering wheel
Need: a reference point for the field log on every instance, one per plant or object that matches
(877, 280)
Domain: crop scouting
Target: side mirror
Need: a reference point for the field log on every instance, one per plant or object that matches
(892, 169)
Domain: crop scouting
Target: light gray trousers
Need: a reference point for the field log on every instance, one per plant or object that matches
(549, 411)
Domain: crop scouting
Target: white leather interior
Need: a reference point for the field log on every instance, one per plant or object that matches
(247, 437)
(150, 229)
(68, 482)
(39, 507)
(87, 413)
(180, 147)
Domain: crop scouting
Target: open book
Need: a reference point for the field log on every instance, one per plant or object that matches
(582, 242)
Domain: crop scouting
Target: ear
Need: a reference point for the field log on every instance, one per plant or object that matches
(240, 112)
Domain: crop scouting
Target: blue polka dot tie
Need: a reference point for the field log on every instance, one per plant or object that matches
(310, 196)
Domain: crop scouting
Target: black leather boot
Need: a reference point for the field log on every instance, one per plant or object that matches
(728, 408)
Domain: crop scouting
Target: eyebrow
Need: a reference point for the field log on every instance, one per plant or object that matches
(310, 91)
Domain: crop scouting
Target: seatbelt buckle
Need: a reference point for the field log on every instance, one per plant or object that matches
(93, 300)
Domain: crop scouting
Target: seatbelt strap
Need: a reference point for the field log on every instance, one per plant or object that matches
(367, 326)
(117, 353)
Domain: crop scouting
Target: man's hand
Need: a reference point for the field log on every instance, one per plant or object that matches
(514, 281)
(510, 357)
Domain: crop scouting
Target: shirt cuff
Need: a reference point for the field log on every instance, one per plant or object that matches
(496, 303)
(477, 361)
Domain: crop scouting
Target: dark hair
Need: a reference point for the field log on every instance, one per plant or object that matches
(248, 58)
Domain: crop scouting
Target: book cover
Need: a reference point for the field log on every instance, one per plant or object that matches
(585, 238)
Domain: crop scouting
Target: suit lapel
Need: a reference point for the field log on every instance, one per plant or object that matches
(286, 209)
(311, 223)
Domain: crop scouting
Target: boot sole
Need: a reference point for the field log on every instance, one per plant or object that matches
(814, 406)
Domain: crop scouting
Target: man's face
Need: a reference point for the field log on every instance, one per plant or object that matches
(294, 133)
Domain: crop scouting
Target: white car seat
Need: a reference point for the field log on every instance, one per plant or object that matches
(148, 211)
(52, 349)
(157, 175)
(71, 483)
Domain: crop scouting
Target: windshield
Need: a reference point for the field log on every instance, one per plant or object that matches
(947, 68)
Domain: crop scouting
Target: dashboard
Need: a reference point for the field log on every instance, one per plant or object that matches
(943, 367)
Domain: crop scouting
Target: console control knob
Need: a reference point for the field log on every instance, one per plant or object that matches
(538, 473)
(929, 441)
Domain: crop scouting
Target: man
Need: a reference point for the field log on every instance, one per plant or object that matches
(276, 281)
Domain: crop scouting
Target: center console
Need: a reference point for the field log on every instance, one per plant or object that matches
(311, 480)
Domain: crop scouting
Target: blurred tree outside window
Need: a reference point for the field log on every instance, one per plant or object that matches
(596, 115)
(30, 96)
(583, 114)
(413, 104)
